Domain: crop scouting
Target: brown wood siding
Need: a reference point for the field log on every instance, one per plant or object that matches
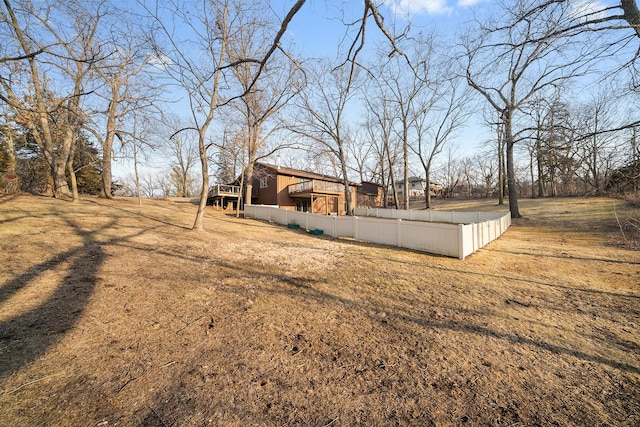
(277, 193)
(283, 192)
(267, 195)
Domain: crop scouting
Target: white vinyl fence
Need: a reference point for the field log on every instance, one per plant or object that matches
(454, 234)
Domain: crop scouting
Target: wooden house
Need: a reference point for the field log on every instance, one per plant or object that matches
(370, 195)
(300, 190)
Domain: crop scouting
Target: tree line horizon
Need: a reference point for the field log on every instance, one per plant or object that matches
(85, 83)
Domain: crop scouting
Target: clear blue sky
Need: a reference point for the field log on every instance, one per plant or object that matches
(318, 30)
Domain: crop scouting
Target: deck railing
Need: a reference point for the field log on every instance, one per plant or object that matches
(315, 185)
(225, 190)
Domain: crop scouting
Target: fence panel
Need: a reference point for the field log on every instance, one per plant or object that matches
(455, 234)
(466, 240)
(344, 226)
(321, 222)
(377, 230)
(441, 239)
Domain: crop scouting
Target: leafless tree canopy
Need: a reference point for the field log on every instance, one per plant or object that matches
(390, 105)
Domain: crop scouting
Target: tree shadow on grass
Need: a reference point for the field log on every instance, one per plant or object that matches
(303, 288)
(7, 198)
(168, 406)
(27, 336)
(565, 257)
(141, 215)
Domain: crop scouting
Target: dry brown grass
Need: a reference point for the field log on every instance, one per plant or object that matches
(115, 314)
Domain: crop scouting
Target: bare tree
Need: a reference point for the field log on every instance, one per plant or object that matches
(137, 142)
(183, 155)
(265, 94)
(593, 17)
(442, 113)
(450, 173)
(229, 156)
(510, 61)
(379, 125)
(152, 185)
(359, 151)
(486, 167)
(58, 40)
(597, 152)
(195, 58)
(404, 81)
(128, 87)
(322, 107)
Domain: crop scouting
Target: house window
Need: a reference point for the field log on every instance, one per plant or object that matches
(303, 205)
(264, 182)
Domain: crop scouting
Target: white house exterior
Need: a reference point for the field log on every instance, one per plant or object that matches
(417, 187)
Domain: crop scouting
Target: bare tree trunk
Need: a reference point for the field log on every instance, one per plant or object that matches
(427, 195)
(105, 192)
(540, 164)
(11, 151)
(107, 149)
(136, 173)
(58, 171)
(405, 154)
(74, 181)
(631, 14)
(531, 175)
(392, 178)
(347, 187)
(511, 173)
(249, 186)
(248, 181)
(394, 189)
(198, 223)
(500, 170)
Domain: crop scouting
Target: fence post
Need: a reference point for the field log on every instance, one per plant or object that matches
(399, 232)
(335, 227)
(461, 241)
(306, 220)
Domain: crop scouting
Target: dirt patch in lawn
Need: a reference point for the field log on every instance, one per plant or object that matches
(117, 314)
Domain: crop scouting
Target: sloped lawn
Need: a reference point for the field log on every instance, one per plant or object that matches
(117, 314)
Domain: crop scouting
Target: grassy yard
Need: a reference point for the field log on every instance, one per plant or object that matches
(114, 314)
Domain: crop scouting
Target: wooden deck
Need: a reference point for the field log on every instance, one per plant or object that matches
(222, 190)
(315, 186)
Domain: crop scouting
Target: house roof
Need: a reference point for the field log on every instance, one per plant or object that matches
(369, 188)
(416, 179)
(412, 179)
(303, 174)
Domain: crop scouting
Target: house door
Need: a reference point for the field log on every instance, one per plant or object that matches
(333, 205)
(303, 205)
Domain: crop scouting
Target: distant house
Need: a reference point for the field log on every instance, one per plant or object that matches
(417, 187)
(370, 195)
(292, 189)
